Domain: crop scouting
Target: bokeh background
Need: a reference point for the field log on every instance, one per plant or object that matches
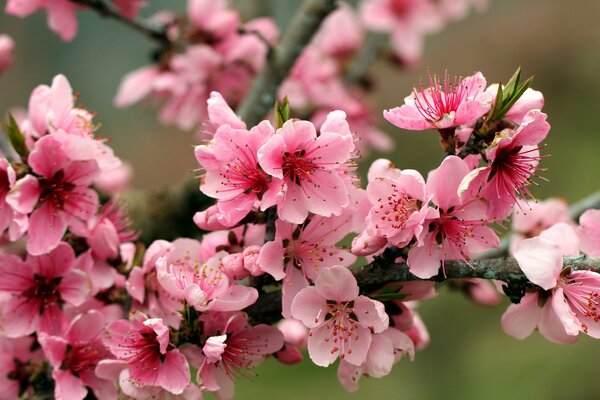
(469, 357)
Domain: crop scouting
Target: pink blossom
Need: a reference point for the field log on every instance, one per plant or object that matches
(201, 283)
(106, 231)
(212, 17)
(52, 110)
(299, 253)
(409, 322)
(398, 211)
(144, 344)
(566, 306)
(341, 33)
(10, 219)
(295, 337)
(59, 196)
(39, 286)
(217, 59)
(589, 232)
(341, 322)
(531, 218)
(148, 295)
(443, 105)
(386, 349)
(61, 14)
(458, 230)
(16, 357)
(75, 355)
(232, 348)
(129, 8)
(407, 21)
(6, 52)
(514, 156)
(233, 175)
(115, 180)
(308, 168)
(315, 84)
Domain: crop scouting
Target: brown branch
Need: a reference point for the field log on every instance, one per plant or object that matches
(148, 29)
(370, 50)
(301, 30)
(377, 274)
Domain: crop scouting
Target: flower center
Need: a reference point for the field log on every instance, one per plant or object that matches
(440, 98)
(512, 168)
(394, 210)
(246, 175)
(45, 290)
(55, 190)
(401, 7)
(342, 322)
(297, 167)
(583, 295)
(85, 356)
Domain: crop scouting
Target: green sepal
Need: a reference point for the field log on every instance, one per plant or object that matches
(506, 97)
(282, 112)
(16, 137)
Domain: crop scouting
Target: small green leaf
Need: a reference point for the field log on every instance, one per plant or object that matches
(513, 83)
(282, 112)
(515, 96)
(16, 137)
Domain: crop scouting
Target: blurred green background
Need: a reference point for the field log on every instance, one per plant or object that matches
(469, 358)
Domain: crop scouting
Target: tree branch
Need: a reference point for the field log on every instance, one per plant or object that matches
(150, 30)
(301, 30)
(370, 50)
(377, 274)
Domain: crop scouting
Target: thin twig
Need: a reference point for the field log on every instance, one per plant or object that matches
(370, 50)
(147, 28)
(377, 274)
(301, 30)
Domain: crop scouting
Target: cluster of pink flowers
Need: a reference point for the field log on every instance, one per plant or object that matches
(564, 301)
(217, 57)
(87, 305)
(62, 14)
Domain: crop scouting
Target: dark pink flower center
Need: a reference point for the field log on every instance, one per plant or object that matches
(297, 166)
(143, 350)
(440, 98)
(45, 291)
(401, 7)
(512, 169)
(55, 190)
(85, 356)
(245, 174)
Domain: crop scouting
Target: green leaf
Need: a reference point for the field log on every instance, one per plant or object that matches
(513, 83)
(516, 96)
(282, 112)
(16, 137)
